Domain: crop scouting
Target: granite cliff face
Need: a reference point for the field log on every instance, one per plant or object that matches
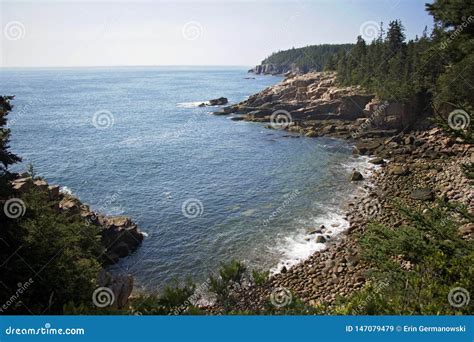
(277, 69)
(312, 104)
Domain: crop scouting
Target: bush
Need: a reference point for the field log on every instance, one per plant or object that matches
(415, 267)
(60, 254)
(260, 277)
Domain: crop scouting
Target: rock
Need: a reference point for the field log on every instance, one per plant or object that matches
(311, 134)
(120, 285)
(70, 205)
(218, 102)
(410, 140)
(467, 229)
(377, 161)
(320, 239)
(398, 170)
(22, 184)
(53, 191)
(367, 147)
(423, 194)
(356, 176)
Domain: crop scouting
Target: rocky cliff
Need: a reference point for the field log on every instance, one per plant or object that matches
(312, 104)
(120, 236)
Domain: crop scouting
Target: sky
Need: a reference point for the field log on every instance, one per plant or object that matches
(128, 33)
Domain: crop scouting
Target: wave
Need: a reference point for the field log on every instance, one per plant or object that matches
(299, 246)
(191, 104)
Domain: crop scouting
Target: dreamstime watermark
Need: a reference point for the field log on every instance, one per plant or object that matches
(459, 297)
(14, 208)
(372, 208)
(103, 208)
(456, 32)
(192, 30)
(192, 124)
(192, 208)
(46, 330)
(280, 209)
(371, 120)
(281, 297)
(14, 30)
(377, 290)
(103, 119)
(369, 30)
(459, 119)
(197, 294)
(103, 297)
(24, 109)
(21, 288)
(280, 119)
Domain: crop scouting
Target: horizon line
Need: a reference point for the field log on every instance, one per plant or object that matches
(127, 66)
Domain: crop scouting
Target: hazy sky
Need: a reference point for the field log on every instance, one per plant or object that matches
(103, 33)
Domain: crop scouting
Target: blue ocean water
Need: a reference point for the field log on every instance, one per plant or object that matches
(204, 188)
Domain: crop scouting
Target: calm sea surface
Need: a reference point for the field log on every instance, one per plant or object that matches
(205, 189)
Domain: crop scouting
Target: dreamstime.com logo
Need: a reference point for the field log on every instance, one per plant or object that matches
(459, 297)
(369, 30)
(459, 119)
(46, 330)
(192, 208)
(103, 119)
(103, 297)
(281, 297)
(22, 287)
(14, 30)
(280, 119)
(14, 208)
(192, 30)
(372, 208)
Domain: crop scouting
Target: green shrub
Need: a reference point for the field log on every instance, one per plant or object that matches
(260, 277)
(59, 253)
(416, 266)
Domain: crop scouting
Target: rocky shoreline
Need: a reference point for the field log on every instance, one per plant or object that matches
(119, 235)
(418, 164)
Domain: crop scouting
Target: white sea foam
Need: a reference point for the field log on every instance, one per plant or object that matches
(301, 245)
(191, 104)
(65, 190)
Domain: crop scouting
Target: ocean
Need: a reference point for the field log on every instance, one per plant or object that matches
(205, 189)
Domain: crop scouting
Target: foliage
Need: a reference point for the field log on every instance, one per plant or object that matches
(174, 300)
(260, 277)
(415, 266)
(231, 273)
(6, 157)
(59, 253)
(436, 68)
(313, 57)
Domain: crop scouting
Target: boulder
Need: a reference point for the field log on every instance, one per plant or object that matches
(367, 147)
(120, 285)
(377, 161)
(466, 230)
(70, 205)
(22, 184)
(320, 239)
(398, 170)
(423, 194)
(356, 176)
(41, 184)
(53, 191)
(218, 102)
